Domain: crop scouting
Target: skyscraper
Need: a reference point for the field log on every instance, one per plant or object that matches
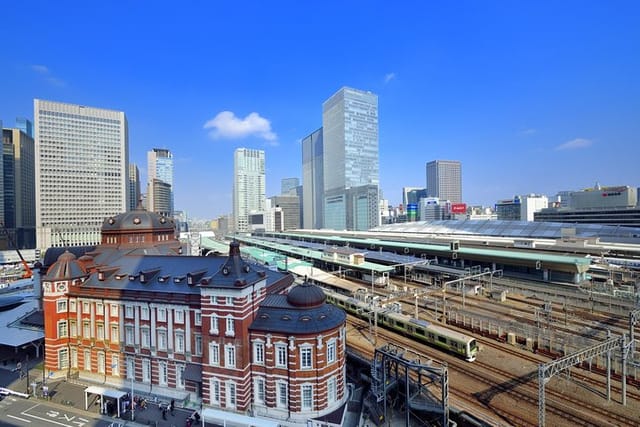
(289, 185)
(160, 181)
(81, 157)
(18, 178)
(248, 186)
(134, 186)
(444, 180)
(350, 159)
(312, 181)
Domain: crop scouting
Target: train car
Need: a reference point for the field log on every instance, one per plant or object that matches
(437, 336)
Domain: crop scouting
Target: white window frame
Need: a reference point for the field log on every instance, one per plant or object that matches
(63, 329)
(306, 357)
(179, 342)
(99, 309)
(332, 389)
(281, 356)
(331, 351)
(63, 358)
(115, 333)
(101, 362)
(229, 356)
(229, 329)
(144, 313)
(86, 360)
(115, 365)
(73, 328)
(161, 314)
(162, 339)
(100, 331)
(72, 305)
(129, 334)
(129, 312)
(198, 345)
(178, 316)
(86, 307)
(231, 394)
(180, 383)
(163, 373)
(260, 394)
(214, 395)
(86, 329)
(146, 371)
(197, 318)
(306, 401)
(145, 337)
(214, 354)
(214, 329)
(61, 306)
(282, 394)
(258, 352)
(74, 357)
(130, 368)
(114, 310)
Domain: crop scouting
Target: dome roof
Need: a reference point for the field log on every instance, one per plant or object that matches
(66, 267)
(306, 295)
(138, 219)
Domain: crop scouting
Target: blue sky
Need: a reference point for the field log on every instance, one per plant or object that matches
(531, 97)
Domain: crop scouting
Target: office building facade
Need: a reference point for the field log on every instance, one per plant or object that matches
(18, 184)
(134, 187)
(249, 186)
(289, 185)
(160, 171)
(616, 205)
(312, 180)
(350, 157)
(81, 159)
(444, 180)
(290, 210)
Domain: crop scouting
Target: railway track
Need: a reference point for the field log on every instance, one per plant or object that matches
(496, 390)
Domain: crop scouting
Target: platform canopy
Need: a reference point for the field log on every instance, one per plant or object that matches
(103, 392)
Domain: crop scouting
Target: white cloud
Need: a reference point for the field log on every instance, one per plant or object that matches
(575, 144)
(388, 77)
(529, 131)
(40, 69)
(227, 125)
(44, 71)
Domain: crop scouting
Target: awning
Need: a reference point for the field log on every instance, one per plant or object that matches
(193, 373)
(103, 392)
(232, 419)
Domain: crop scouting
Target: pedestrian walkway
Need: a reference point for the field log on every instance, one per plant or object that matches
(70, 396)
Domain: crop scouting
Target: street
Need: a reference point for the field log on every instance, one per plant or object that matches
(16, 411)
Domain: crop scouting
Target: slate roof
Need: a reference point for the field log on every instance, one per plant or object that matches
(277, 315)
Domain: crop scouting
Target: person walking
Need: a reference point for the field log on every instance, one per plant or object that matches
(164, 413)
(172, 406)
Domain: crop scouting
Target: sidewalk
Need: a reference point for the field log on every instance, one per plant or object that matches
(71, 397)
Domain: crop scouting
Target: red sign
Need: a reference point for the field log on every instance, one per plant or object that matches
(458, 208)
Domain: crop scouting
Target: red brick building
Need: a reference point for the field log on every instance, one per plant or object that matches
(219, 329)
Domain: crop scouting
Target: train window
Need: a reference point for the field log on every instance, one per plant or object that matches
(442, 339)
(420, 331)
(454, 344)
(432, 336)
(472, 344)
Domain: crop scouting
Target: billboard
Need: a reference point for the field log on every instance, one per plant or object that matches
(458, 208)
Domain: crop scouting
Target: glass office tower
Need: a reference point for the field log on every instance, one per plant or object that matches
(350, 155)
(81, 161)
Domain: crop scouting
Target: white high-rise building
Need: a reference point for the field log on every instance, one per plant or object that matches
(444, 180)
(160, 181)
(81, 158)
(249, 189)
(351, 160)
